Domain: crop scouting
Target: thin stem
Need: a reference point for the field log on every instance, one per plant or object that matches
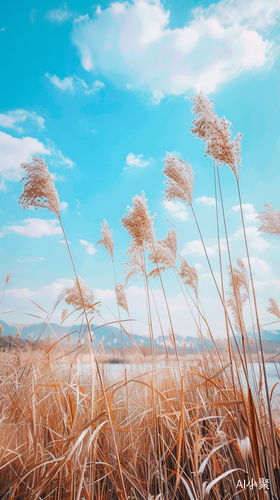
(259, 331)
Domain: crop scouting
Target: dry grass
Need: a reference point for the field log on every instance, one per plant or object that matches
(174, 432)
(166, 427)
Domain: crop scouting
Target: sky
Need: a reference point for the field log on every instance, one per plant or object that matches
(101, 92)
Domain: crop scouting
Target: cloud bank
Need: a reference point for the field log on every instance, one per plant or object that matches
(132, 45)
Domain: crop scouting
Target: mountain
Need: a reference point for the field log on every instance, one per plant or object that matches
(111, 336)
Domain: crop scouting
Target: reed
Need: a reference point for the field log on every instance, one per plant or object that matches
(165, 425)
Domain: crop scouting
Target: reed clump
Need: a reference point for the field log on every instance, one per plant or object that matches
(85, 421)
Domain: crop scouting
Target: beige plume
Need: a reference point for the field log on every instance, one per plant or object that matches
(39, 189)
(138, 222)
(64, 315)
(121, 297)
(164, 253)
(188, 274)
(274, 308)
(107, 240)
(135, 265)
(239, 294)
(8, 278)
(18, 334)
(73, 295)
(180, 179)
(270, 220)
(1, 329)
(215, 131)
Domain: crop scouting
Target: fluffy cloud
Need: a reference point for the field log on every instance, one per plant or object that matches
(255, 238)
(106, 294)
(59, 15)
(259, 266)
(206, 200)
(134, 47)
(13, 119)
(90, 248)
(14, 151)
(62, 84)
(63, 206)
(36, 228)
(137, 161)
(73, 83)
(249, 212)
(176, 209)
(195, 248)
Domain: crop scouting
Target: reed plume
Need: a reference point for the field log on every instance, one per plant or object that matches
(239, 294)
(1, 329)
(274, 308)
(80, 296)
(18, 334)
(215, 131)
(188, 274)
(107, 240)
(164, 253)
(39, 189)
(180, 179)
(138, 222)
(135, 265)
(64, 315)
(121, 297)
(270, 220)
(8, 278)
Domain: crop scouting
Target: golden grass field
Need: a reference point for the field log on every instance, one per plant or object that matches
(160, 427)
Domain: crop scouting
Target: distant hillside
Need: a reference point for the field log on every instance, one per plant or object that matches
(111, 336)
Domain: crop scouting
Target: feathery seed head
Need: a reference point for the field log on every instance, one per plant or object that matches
(1, 329)
(121, 297)
(8, 277)
(107, 240)
(239, 293)
(245, 448)
(39, 189)
(180, 179)
(64, 315)
(138, 222)
(18, 334)
(274, 308)
(188, 274)
(80, 295)
(164, 252)
(135, 265)
(215, 131)
(270, 220)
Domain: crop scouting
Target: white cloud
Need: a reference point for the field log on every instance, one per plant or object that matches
(206, 200)
(259, 266)
(176, 209)
(14, 151)
(52, 290)
(3, 186)
(105, 294)
(195, 248)
(248, 210)
(12, 119)
(73, 83)
(2, 234)
(63, 206)
(132, 43)
(90, 248)
(60, 15)
(36, 228)
(254, 237)
(62, 84)
(137, 161)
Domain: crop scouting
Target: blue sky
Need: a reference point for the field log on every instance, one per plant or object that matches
(101, 92)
